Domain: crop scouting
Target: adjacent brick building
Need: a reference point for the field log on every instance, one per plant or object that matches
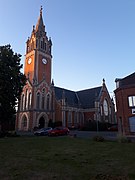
(41, 101)
(125, 103)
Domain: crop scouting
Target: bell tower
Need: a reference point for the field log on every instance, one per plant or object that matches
(38, 57)
(36, 105)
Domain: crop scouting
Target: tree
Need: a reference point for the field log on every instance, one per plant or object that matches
(11, 84)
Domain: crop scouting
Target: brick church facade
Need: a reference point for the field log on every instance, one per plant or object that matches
(41, 101)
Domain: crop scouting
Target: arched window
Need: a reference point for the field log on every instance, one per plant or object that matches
(38, 100)
(75, 119)
(50, 49)
(45, 46)
(26, 99)
(43, 43)
(105, 106)
(29, 101)
(43, 99)
(81, 118)
(24, 123)
(69, 119)
(48, 102)
(36, 43)
(101, 110)
(22, 102)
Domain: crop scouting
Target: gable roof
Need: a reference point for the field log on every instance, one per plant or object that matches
(84, 98)
(89, 96)
(70, 96)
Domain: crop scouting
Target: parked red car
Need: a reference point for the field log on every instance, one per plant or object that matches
(113, 128)
(59, 131)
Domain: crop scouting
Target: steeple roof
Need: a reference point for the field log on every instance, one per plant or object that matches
(40, 24)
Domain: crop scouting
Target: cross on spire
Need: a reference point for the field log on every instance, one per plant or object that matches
(40, 25)
(41, 8)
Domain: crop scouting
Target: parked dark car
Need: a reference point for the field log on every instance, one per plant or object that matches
(59, 131)
(113, 128)
(42, 131)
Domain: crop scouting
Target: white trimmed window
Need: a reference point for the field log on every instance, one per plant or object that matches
(131, 101)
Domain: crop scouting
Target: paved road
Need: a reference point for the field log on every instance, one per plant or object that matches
(90, 134)
(83, 134)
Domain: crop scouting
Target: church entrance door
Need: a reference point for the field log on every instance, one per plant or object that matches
(41, 122)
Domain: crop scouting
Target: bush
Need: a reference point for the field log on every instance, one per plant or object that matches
(98, 138)
(123, 139)
(2, 134)
(12, 134)
(8, 134)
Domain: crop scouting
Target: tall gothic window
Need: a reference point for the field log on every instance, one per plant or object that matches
(81, 118)
(36, 43)
(75, 119)
(24, 123)
(22, 102)
(38, 101)
(69, 118)
(26, 99)
(101, 110)
(43, 99)
(48, 102)
(29, 101)
(32, 45)
(50, 49)
(43, 43)
(45, 46)
(105, 106)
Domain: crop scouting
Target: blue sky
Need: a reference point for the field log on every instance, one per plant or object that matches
(92, 39)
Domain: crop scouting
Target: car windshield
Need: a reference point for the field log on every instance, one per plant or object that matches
(48, 128)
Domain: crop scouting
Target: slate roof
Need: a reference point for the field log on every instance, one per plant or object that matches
(127, 81)
(70, 96)
(89, 96)
(84, 98)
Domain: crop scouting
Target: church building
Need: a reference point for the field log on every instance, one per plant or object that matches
(42, 102)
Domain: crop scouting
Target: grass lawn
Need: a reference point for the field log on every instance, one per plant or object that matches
(65, 158)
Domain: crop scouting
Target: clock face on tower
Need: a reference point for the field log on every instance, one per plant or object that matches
(29, 61)
(44, 61)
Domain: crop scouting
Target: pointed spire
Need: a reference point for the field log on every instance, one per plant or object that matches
(41, 11)
(103, 81)
(40, 25)
(52, 82)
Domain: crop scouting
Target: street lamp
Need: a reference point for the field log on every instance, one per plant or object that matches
(97, 114)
